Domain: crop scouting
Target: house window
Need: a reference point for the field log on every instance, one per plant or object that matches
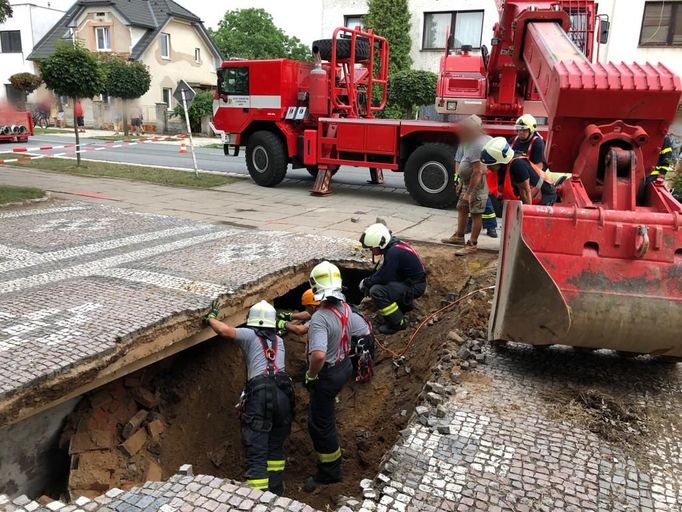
(165, 46)
(197, 55)
(354, 20)
(465, 26)
(235, 81)
(10, 41)
(102, 37)
(661, 24)
(168, 96)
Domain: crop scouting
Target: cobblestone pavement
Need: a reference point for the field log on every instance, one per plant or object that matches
(183, 492)
(77, 278)
(509, 438)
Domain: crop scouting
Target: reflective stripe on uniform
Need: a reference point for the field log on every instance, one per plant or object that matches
(260, 484)
(326, 458)
(276, 465)
(488, 215)
(666, 150)
(389, 310)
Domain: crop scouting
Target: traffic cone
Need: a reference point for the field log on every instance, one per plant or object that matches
(183, 147)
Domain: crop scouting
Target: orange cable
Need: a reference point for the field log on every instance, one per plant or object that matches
(414, 334)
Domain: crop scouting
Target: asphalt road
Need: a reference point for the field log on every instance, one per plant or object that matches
(166, 155)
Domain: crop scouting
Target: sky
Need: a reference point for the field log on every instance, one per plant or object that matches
(300, 18)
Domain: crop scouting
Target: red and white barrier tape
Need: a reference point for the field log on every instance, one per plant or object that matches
(141, 140)
(111, 145)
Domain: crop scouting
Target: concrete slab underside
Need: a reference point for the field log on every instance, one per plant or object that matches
(79, 282)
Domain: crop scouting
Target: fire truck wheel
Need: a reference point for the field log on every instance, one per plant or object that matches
(266, 159)
(429, 175)
(343, 47)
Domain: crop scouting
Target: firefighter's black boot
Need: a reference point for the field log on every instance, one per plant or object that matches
(327, 473)
(393, 321)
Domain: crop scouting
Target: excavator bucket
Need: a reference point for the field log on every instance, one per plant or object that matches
(590, 278)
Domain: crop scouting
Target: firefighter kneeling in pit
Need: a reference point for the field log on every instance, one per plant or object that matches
(400, 279)
(268, 398)
(329, 341)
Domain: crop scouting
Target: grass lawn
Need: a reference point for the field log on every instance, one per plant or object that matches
(120, 137)
(157, 175)
(17, 194)
(39, 131)
(214, 145)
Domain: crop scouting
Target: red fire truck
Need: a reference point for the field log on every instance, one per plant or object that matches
(598, 269)
(15, 126)
(321, 116)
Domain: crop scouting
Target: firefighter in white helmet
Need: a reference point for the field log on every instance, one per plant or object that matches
(528, 140)
(400, 279)
(267, 403)
(522, 179)
(329, 369)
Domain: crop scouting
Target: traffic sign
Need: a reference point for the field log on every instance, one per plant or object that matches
(189, 92)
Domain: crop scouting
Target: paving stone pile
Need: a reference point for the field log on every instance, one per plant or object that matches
(183, 492)
(493, 442)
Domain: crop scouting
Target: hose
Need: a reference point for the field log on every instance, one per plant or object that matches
(449, 305)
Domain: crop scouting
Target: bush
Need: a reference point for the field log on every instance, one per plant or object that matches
(410, 89)
(25, 82)
(201, 106)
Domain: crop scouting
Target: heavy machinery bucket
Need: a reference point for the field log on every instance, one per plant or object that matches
(562, 279)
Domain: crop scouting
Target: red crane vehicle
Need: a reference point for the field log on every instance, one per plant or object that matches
(321, 116)
(602, 268)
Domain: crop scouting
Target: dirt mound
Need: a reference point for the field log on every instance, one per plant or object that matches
(199, 388)
(628, 426)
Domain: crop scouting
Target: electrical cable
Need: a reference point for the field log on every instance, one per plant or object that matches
(449, 305)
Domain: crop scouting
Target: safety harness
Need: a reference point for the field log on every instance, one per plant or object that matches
(362, 349)
(508, 191)
(344, 342)
(273, 377)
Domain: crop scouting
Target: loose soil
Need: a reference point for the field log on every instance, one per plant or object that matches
(198, 389)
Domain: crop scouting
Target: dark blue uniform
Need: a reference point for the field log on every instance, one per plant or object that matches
(400, 280)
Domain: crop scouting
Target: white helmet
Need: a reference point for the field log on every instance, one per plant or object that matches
(262, 315)
(325, 281)
(526, 122)
(497, 151)
(376, 236)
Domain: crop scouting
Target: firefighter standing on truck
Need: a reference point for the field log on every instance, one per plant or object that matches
(523, 180)
(329, 369)
(528, 142)
(268, 399)
(400, 279)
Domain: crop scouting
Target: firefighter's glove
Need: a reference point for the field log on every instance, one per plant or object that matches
(213, 314)
(310, 382)
(287, 316)
(281, 325)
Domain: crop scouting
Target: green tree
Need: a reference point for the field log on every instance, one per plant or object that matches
(127, 80)
(412, 88)
(251, 34)
(25, 82)
(75, 72)
(391, 19)
(5, 10)
(201, 106)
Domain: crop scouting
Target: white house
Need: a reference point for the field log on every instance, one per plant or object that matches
(30, 21)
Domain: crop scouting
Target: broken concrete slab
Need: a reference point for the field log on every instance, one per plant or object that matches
(118, 287)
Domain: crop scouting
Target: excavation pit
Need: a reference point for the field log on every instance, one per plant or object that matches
(189, 399)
